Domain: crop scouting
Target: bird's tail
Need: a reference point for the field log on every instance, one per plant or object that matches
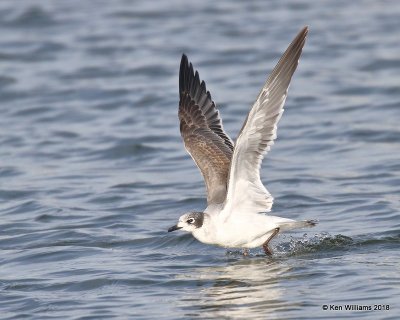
(290, 225)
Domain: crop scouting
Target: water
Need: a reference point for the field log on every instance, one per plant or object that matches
(93, 170)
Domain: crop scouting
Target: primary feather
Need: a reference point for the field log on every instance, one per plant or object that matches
(246, 193)
(202, 132)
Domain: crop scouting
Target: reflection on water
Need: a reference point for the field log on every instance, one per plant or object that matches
(248, 287)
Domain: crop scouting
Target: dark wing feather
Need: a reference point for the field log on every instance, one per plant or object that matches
(202, 132)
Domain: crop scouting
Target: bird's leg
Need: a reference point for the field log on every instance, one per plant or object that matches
(266, 248)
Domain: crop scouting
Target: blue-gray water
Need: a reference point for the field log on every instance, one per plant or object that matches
(93, 170)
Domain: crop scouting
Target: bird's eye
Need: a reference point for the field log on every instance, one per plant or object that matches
(190, 221)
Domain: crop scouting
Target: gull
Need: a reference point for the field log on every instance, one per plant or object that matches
(237, 201)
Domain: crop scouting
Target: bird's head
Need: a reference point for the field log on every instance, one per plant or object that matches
(189, 222)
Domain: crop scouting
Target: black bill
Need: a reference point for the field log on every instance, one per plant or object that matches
(174, 228)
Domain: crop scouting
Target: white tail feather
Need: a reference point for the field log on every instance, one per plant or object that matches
(285, 226)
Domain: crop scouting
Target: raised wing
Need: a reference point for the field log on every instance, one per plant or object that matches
(246, 193)
(202, 132)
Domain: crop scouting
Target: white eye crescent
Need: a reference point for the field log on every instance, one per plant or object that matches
(190, 221)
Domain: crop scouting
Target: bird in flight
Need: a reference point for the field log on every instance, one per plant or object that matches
(237, 200)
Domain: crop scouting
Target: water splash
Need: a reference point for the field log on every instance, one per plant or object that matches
(306, 244)
(314, 243)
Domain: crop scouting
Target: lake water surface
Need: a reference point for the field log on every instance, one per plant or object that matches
(93, 169)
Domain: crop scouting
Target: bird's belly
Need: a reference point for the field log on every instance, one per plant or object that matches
(249, 233)
(244, 239)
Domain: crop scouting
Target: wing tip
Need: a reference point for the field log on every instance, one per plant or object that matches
(290, 58)
(184, 63)
(184, 58)
(186, 68)
(190, 82)
(301, 36)
(186, 74)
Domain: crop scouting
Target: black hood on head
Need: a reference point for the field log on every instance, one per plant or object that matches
(198, 218)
